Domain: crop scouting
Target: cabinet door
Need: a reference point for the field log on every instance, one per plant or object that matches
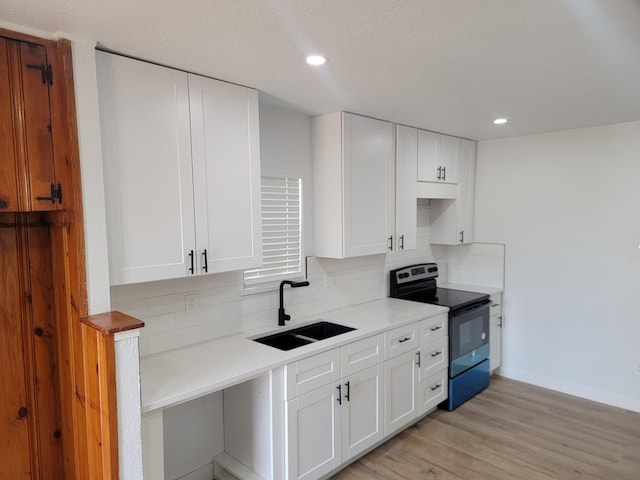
(406, 196)
(466, 192)
(401, 392)
(452, 220)
(313, 438)
(362, 414)
(226, 168)
(429, 168)
(369, 195)
(144, 112)
(495, 332)
(449, 156)
(27, 174)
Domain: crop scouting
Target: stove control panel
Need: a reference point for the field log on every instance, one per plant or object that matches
(412, 273)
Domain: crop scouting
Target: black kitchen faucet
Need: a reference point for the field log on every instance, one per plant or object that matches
(281, 315)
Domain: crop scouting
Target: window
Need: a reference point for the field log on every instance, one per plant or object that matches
(281, 231)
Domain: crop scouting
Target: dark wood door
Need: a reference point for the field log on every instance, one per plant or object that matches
(28, 180)
(15, 418)
(30, 418)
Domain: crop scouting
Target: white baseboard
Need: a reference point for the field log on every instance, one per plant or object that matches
(599, 396)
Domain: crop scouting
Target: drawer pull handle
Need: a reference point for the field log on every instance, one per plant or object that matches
(435, 387)
(191, 262)
(418, 360)
(436, 353)
(436, 328)
(405, 339)
(339, 387)
(346, 395)
(495, 304)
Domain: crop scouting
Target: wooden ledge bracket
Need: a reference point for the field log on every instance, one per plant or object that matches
(110, 323)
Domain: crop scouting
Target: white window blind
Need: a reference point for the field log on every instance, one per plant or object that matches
(281, 230)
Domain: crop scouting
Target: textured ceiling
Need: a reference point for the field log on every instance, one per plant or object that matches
(446, 65)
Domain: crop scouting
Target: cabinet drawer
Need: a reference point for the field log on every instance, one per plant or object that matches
(433, 390)
(361, 355)
(313, 372)
(496, 305)
(401, 340)
(433, 328)
(433, 357)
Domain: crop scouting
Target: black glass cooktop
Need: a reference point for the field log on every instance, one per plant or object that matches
(448, 297)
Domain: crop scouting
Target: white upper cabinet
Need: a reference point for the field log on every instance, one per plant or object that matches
(353, 185)
(438, 157)
(226, 171)
(172, 141)
(406, 204)
(452, 220)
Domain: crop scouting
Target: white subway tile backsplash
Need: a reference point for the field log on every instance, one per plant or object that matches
(159, 324)
(475, 264)
(221, 309)
(174, 339)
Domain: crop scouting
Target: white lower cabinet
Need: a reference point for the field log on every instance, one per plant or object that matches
(335, 405)
(313, 434)
(331, 424)
(496, 324)
(362, 398)
(401, 392)
(417, 355)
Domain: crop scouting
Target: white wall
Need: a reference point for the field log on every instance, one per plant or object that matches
(567, 206)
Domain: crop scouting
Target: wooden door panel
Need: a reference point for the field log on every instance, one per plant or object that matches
(36, 120)
(15, 416)
(8, 173)
(40, 331)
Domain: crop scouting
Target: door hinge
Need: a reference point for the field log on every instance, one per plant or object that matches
(46, 71)
(56, 195)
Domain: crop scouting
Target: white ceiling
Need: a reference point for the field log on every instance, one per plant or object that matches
(445, 65)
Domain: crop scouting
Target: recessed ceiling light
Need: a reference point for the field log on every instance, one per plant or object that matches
(316, 60)
(500, 121)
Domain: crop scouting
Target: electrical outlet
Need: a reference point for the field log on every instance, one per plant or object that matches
(191, 302)
(636, 368)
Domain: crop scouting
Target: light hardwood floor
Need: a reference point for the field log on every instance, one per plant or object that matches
(511, 431)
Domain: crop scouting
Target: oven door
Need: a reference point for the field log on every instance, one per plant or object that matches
(468, 337)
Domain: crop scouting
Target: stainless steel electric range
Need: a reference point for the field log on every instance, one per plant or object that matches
(468, 327)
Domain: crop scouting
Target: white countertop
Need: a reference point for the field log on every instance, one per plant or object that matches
(473, 288)
(176, 376)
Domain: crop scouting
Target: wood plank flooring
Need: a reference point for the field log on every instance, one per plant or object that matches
(511, 431)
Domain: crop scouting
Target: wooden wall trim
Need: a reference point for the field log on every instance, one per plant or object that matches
(110, 323)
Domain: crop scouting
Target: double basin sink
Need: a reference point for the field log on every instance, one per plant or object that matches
(304, 335)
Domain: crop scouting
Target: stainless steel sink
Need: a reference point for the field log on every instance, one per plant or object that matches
(304, 335)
